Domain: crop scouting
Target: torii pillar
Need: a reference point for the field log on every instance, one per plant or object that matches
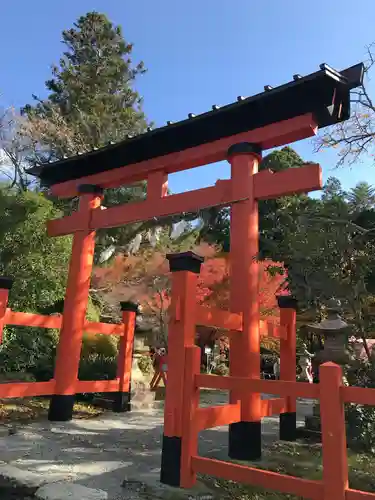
(75, 305)
(249, 185)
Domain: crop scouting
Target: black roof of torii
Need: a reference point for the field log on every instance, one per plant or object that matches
(325, 94)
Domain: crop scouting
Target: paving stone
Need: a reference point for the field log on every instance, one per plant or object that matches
(21, 476)
(69, 491)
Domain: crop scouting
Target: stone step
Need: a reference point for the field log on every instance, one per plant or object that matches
(156, 405)
(139, 401)
(142, 398)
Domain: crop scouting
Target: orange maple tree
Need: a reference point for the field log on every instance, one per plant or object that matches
(145, 278)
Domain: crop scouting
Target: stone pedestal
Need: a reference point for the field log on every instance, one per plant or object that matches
(141, 396)
(335, 333)
(312, 422)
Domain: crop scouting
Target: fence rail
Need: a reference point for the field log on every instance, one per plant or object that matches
(27, 389)
(43, 321)
(233, 322)
(243, 384)
(266, 479)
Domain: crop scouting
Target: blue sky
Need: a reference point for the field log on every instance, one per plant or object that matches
(198, 53)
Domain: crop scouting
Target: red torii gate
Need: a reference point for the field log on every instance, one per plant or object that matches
(243, 190)
(239, 133)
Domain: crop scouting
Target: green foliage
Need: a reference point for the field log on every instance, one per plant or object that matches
(281, 159)
(39, 266)
(30, 350)
(37, 262)
(92, 312)
(330, 254)
(216, 227)
(272, 213)
(145, 364)
(104, 345)
(360, 419)
(16, 377)
(327, 249)
(97, 367)
(333, 190)
(98, 357)
(278, 214)
(361, 197)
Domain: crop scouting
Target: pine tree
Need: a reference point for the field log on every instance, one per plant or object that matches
(281, 159)
(92, 100)
(332, 190)
(361, 197)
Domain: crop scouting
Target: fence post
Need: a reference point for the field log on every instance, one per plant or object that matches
(121, 399)
(335, 466)
(185, 268)
(75, 305)
(190, 406)
(288, 361)
(5, 285)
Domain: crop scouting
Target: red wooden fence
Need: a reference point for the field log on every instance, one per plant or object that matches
(184, 417)
(332, 395)
(26, 389)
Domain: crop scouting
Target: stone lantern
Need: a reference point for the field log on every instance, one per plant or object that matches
(335, 333)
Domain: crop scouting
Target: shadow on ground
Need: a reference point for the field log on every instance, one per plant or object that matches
(103, 452)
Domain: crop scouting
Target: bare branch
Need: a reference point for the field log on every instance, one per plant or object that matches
(354, 138)
(13, 149)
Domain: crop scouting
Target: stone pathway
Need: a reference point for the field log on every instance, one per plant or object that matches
(101, 453)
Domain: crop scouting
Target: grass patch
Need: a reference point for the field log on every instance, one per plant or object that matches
(31, 409)
(295, 459)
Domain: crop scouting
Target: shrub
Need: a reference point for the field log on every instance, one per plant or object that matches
(105, 345)
(98, 367)
(16, 377)
(360, 420)
(38, 263)
(98, 357)
(29, 350)
(145, 364)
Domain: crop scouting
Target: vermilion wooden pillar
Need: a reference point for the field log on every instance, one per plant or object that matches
(335, 461)
(75, 305)
(185, 268)
(245, 436)
(121, 399)
(288, 361)
(5, 285)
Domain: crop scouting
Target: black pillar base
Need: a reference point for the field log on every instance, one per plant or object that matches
(288, 426)
(61, 408)
(121, 402)
(171, 461)
(245, 440)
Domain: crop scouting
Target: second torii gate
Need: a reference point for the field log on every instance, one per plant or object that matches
(245, 187)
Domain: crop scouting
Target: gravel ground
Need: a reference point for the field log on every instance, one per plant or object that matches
(106, 451)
